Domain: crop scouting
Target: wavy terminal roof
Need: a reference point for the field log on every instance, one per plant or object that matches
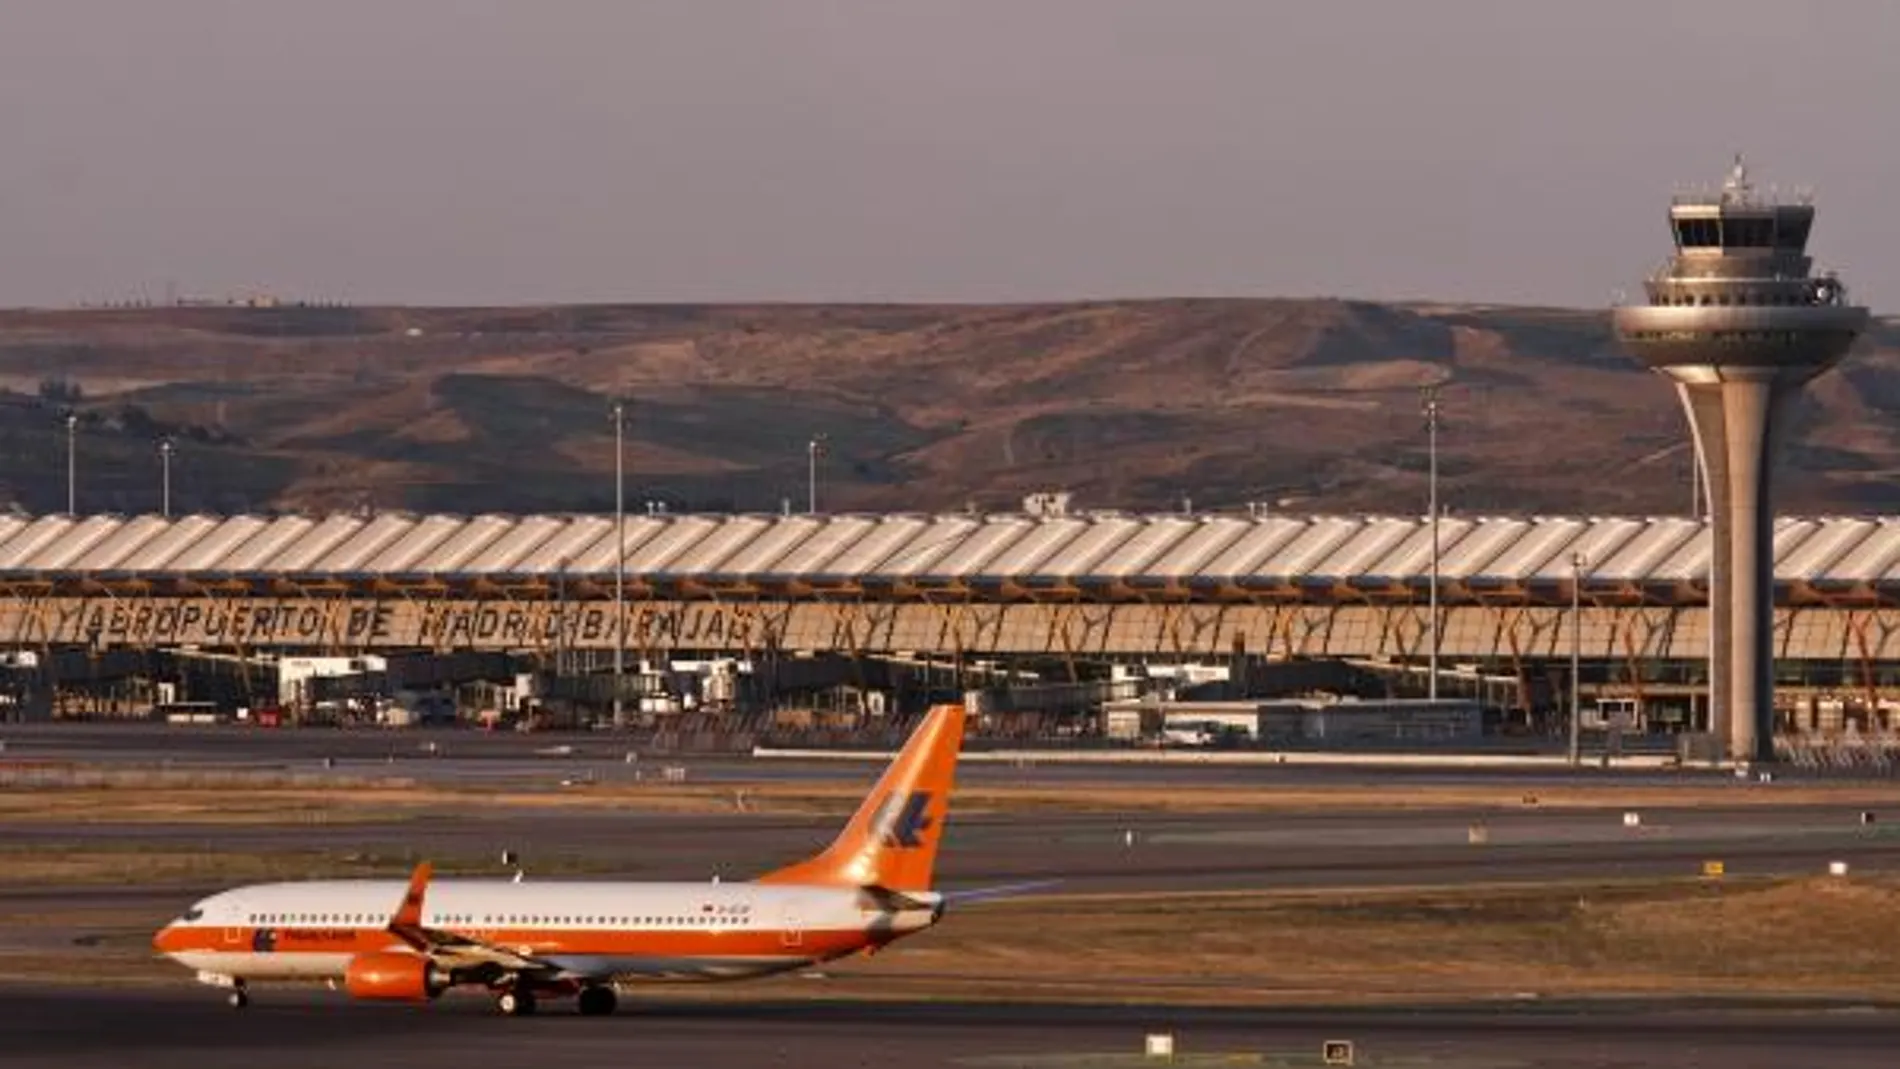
(1078, 549)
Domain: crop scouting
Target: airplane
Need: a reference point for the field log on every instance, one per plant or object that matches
(529, 940)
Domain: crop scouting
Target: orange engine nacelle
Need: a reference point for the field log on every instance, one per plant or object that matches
(392, 976)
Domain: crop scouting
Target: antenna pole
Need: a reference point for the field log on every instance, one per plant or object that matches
(620, 563)
(1431, 431)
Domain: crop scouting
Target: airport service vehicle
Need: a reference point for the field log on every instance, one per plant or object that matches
(531, 939)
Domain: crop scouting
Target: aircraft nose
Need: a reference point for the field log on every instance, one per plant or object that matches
(165, 940)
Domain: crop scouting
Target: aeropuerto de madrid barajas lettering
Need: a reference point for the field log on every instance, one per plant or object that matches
(389, 623)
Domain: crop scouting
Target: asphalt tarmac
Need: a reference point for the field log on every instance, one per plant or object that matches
(292, 1029)
(1105, 852)
(465, 756)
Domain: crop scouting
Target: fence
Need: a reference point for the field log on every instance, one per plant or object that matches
(1852, 751)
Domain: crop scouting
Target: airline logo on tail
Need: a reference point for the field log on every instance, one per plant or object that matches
(892, 839)
(901, 823)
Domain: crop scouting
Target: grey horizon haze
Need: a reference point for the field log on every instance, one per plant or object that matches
(479, 151)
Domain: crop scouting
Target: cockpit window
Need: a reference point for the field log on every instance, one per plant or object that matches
(193, 913)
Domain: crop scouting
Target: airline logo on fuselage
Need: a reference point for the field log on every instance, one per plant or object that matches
(902, 820)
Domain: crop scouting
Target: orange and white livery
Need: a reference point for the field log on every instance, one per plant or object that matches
(532, 939)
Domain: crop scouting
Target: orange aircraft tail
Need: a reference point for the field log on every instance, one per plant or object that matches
(891, 842)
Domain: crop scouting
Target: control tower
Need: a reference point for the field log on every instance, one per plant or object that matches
(1741, 325)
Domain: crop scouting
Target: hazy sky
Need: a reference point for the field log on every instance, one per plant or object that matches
(644, 150)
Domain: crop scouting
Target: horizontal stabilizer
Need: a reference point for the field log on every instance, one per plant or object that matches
(1007, 890)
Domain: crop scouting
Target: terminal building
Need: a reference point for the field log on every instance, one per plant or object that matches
(906, 608)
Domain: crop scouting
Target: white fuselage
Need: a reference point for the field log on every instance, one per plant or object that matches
(598, 930)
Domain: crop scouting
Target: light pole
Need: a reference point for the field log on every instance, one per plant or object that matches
(813, 450)
(1431, 437)
(620, 560)
(1695, 482)
(560, 617)
(72, 464)
(165, 477)
(1576, 657)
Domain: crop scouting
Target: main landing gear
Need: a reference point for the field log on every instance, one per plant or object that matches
(593, 1000)
(597, 1000)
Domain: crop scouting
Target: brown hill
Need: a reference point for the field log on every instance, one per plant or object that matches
(1313, 405)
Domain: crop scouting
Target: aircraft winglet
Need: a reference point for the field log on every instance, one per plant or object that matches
(452, 947)
(409, 914)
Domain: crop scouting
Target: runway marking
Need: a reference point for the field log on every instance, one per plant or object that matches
(1214, 1059)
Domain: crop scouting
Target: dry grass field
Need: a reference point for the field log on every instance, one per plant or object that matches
(1819, 937)
(251, 805)
(83, 864)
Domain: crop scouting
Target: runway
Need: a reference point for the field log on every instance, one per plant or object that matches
(290, 1029)
(463, 757)
(1091, 853)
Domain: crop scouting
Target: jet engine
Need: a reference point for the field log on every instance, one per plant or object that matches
(393, 976)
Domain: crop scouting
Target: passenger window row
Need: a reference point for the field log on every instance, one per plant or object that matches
(493, 919)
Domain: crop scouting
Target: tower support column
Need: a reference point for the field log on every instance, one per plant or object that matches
(1702, 403)
(1735, 422)
(1748, 404)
